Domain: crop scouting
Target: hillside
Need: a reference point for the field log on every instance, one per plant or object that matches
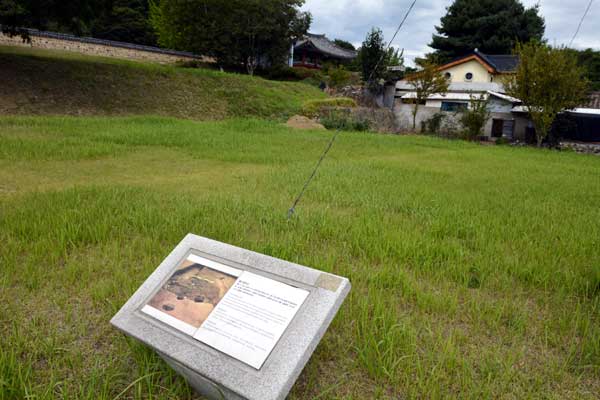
(43, 82)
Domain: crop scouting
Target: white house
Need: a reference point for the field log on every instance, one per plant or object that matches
(470, 77)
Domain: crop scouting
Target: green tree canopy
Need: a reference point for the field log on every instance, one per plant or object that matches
(234, 32)
(492, 26)
(125, 21)
(425, 82)
(548, 81)
(344, 44)
(73, 16)
(589, 59)
(374, 57)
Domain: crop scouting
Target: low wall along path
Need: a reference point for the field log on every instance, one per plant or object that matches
(100, 47)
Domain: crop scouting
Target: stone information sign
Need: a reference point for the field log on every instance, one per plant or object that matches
(236, 324)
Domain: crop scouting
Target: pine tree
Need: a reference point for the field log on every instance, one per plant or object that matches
(492, 26)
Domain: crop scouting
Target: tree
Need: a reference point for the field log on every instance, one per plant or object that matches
(369, 54)
(425, 82)
(344, 44)
(547, 81)
(590, 60)
(234, 32)
(125, 21)
(373, 59)
(492, 26)
(57, 15)
(475, 116)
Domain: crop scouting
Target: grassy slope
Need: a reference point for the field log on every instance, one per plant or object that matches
(475, 270)
(45, 82)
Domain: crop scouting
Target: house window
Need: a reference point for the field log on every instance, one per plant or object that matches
(453, 106)
(468, 76)
(448, 75)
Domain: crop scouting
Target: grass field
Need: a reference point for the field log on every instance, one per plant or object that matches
(475, 269)
(44, 82)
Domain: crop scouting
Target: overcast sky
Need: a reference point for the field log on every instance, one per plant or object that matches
(352, 19)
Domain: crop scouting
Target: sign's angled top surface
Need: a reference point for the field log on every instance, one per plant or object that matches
(233, 316)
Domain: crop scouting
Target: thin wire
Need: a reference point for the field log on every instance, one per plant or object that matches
(310, 178)
(312, 175)
(581, 22)
(393, 37)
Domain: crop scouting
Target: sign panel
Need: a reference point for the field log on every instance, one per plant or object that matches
(237, 312)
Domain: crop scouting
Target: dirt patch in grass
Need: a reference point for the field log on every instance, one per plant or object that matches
(302, 122)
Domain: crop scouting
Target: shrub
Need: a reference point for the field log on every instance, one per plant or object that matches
(285, 73)
(312, 108)
(433, 124)
(474, 118)
(502, 140)
(304, 73)
(339, 76)
(343, 120)
(281, 73)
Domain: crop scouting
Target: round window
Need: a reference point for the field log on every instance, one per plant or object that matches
(448, 75)
(468, 76)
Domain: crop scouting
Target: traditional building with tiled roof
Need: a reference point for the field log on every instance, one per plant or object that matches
(313, 50)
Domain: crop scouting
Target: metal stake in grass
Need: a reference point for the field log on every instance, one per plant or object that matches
(310, 178)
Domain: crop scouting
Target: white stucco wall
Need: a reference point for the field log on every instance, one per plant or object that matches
(458, 72)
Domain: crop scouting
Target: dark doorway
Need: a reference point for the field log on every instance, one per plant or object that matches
(497, 127)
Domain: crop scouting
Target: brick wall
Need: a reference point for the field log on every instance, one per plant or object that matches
(103, 48)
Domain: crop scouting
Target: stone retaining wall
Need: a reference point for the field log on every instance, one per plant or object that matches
(98, 47)
(586, 148)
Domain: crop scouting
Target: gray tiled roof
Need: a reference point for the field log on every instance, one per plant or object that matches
(500, 62)
(326, 46)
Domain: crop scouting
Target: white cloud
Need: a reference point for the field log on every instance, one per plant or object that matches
(351, 20)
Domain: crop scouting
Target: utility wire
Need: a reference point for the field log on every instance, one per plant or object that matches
(314, 172)
(393, 37)
(310, 178)
(581, 22)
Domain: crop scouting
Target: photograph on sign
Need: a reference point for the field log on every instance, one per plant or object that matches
(191, 293)
(237, 312)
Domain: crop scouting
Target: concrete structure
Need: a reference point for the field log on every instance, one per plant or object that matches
(217, 375)
(475, 76)
(100, 47)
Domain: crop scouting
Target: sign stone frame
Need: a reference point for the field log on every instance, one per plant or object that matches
(214, 374)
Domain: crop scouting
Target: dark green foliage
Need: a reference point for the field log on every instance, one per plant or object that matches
(73, 16)
(589, 59)
(121, 20)
(125, 21)
(235, 32)
(344, 44)
(281, 73)
(370, 53)
(373, 59)
(492, 26)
